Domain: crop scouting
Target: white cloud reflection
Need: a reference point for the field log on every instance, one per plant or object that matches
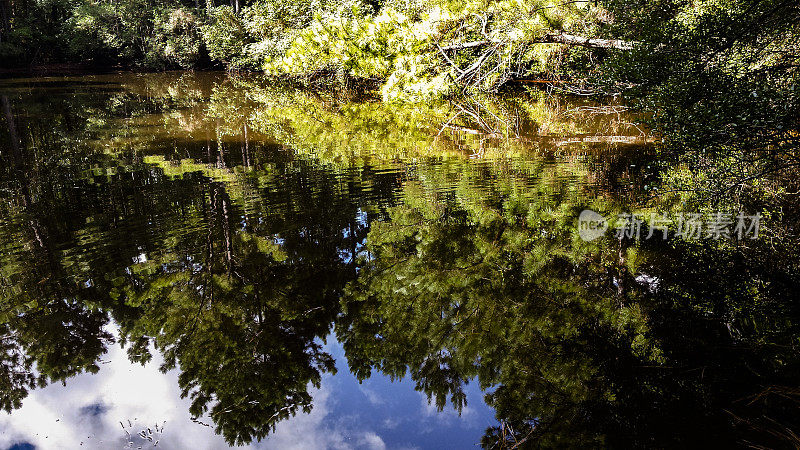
(94, 411)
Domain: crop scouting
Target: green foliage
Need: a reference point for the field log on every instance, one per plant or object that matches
(135, 32)
(177, 40)
(397, 44)
(721, 81)
(141, 33)
(14, 46)
(33, 31)
(225, 35)
(401, 44)
(261, 31)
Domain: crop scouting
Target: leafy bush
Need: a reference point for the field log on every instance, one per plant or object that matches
(225, 36)
(134, 32)
(110, 32)
(403, 43)
(177, 40)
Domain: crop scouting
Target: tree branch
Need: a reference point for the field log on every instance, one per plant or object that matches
(570, 39)
(556, 38)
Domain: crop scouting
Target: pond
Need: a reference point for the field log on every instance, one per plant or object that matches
(197, 260)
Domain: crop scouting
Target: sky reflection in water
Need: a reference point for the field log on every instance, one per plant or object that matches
(91, 410)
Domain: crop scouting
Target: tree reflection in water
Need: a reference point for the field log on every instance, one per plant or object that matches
(232, 228)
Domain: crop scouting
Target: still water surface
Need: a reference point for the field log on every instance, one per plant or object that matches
(196, 261)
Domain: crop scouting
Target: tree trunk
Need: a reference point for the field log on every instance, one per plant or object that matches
(5, 18)
(556, 38)
(569, 39)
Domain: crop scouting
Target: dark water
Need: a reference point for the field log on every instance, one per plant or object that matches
(193, 261)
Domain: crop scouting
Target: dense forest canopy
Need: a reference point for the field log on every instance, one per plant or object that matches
(413, 48)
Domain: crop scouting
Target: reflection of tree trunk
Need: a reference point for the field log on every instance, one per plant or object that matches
(42, 238)
(39, 231)
(16, 151)
(209, 291)
(353, 244)
(208, 281)
(622, 270)
(226, 228)
(246, 153)
(208, 148)
(220, 150)
(12, 129)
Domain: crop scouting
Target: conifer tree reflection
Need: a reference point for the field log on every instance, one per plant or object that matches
(50, 327)
(242, 305)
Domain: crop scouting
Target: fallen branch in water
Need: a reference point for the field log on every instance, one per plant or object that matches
(557, 140)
